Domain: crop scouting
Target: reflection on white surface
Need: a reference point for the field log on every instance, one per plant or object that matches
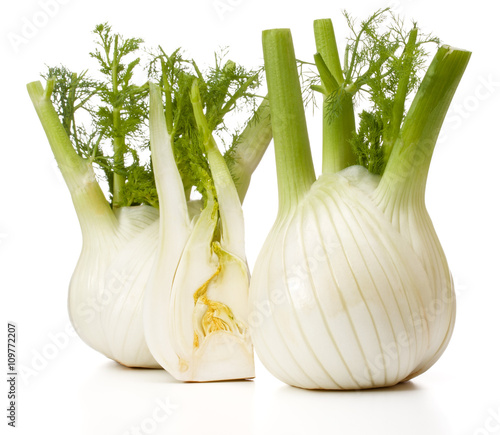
(81, 392)
(403, 409)
(118, 400)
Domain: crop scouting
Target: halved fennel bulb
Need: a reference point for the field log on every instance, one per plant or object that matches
(196, 305)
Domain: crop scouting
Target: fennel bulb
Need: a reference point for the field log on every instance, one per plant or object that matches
(351, 289)
(196, 305)
(118, 248)
(121, 237)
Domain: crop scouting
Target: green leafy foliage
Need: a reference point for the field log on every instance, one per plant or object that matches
(382, 62)
(224, 88)
(367, 142)
(121, 114)
(140, 188)
(111, 127)
(76, 92)
(111, 131)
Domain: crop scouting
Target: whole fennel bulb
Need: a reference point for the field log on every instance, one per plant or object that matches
(351, 289)
(118, 249)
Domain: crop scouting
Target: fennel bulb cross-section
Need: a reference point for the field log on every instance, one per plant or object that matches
(195, 308)
(352, 285)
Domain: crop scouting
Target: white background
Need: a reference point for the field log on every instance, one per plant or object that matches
(73, 389)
